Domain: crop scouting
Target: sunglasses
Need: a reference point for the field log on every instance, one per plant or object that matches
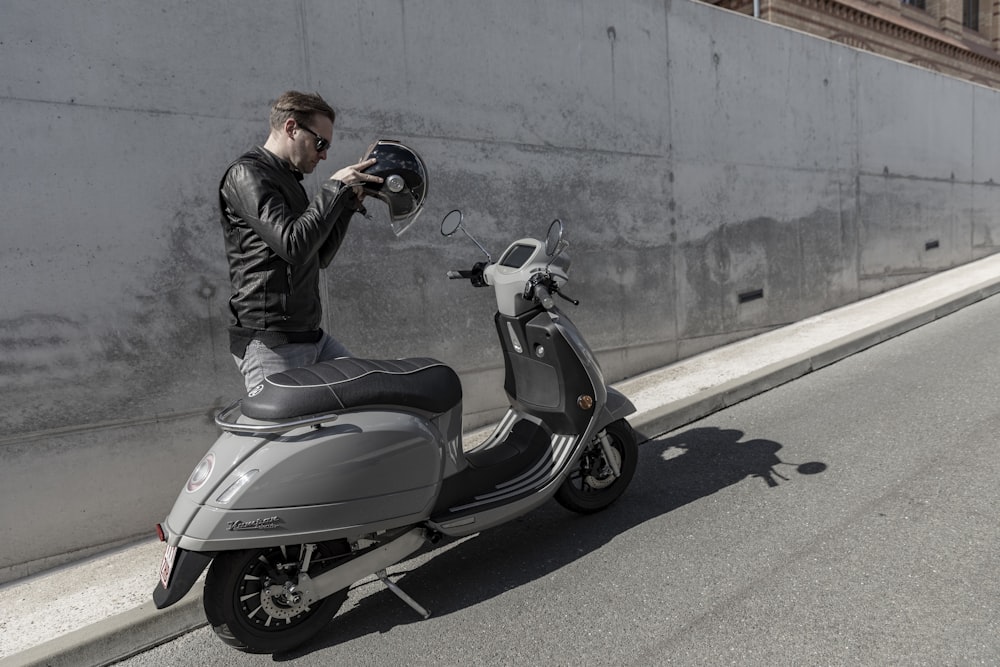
(321, 143)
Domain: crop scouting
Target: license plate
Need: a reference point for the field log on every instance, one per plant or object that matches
(167, 564)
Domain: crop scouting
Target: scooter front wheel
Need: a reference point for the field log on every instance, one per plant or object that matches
(593, 485)
(254, 599)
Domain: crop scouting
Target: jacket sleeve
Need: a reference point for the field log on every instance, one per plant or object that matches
(256, 199)
(345, 207)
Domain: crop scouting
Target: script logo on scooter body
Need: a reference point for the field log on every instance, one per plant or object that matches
(268, 523)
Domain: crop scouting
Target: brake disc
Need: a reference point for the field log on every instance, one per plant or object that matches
(603, 477)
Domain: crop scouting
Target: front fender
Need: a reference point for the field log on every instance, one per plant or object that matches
(618, 406)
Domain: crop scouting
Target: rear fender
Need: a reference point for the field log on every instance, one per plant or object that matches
(188, 566)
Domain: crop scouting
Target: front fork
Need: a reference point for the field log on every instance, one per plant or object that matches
(608, 453)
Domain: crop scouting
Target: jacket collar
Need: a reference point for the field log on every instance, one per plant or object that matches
(273, 160)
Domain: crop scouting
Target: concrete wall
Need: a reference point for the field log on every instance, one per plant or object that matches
(694, 154)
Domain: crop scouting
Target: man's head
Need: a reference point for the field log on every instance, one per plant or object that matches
(301, 129)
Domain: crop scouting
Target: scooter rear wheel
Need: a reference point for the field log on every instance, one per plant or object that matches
(250, 607)
(593, 486)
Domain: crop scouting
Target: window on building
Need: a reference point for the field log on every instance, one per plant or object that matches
(919, 4)
(970, 14)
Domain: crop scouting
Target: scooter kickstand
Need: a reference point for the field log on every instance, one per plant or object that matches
(414, 605)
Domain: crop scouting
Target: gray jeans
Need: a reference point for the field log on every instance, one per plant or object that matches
(261, 361)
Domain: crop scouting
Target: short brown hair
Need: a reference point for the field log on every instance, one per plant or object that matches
(300, 106)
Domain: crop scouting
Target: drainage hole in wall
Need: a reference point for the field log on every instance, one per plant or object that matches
(752, 295)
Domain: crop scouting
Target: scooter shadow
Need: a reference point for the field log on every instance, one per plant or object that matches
(672, 472)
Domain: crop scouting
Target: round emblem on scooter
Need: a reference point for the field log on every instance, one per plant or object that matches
(256, 390)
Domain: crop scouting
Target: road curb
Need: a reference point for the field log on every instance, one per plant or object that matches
(118, 637)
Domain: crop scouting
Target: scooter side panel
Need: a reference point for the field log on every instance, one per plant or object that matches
(364, 455)
(215, 529)
(373, 469)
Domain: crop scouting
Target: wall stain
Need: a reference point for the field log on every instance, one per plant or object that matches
(59, 372)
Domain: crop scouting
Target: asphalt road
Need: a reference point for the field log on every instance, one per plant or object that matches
(846, 518)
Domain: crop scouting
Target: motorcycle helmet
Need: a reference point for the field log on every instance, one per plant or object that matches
(404, 187)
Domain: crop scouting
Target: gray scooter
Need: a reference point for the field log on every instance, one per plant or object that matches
(329, 474)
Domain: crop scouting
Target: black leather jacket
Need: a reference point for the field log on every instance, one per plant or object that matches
(277, 241)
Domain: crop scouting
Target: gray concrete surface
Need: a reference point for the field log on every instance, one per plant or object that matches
(98, 611)
(696, 155)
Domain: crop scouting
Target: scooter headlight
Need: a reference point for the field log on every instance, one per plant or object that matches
(201, 473)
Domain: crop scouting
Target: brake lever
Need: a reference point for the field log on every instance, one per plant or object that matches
(572, 301)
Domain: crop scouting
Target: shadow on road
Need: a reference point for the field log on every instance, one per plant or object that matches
(672, 472)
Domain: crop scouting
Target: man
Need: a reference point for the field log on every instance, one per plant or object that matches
(277, 239)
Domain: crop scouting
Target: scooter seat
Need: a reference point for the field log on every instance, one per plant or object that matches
(329, 386)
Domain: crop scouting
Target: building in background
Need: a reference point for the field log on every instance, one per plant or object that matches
(955, 37)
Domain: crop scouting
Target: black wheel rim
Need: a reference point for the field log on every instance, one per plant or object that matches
(594, 474)
(263, 610)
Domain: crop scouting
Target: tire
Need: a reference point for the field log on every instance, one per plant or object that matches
(592, 486)
(246, 617)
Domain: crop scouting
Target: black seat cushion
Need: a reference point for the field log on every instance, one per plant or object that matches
(422, 384)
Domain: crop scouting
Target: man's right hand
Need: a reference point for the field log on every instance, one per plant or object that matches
(355, 174)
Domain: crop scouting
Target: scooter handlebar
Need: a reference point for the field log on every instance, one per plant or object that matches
(475, 275)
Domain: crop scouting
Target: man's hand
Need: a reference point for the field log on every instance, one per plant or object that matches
(355, 176)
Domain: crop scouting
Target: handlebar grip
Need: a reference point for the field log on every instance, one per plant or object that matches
(544, 296)
(453, 275)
